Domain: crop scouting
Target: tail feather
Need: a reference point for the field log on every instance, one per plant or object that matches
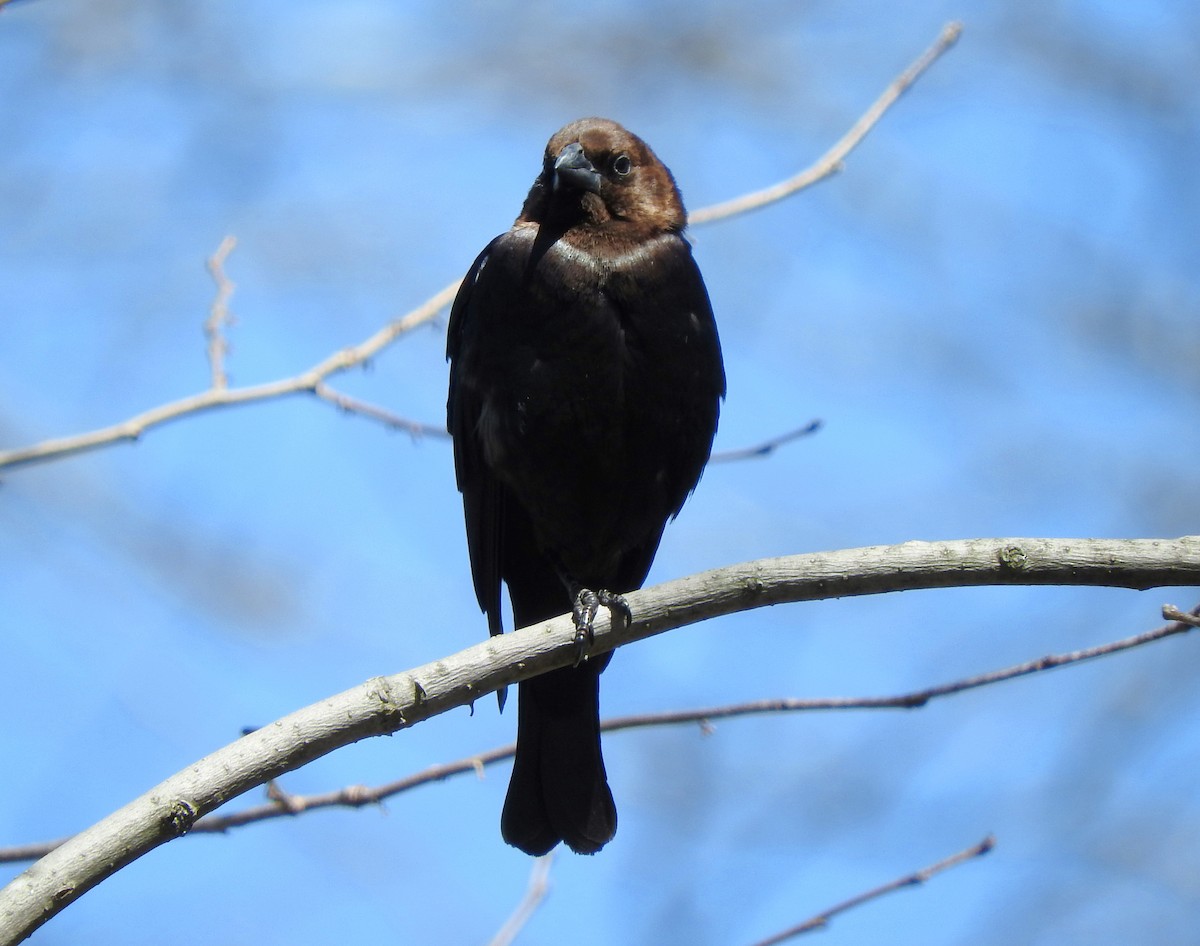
(559, 789)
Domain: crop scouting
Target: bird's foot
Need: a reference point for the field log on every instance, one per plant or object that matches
(587, 603)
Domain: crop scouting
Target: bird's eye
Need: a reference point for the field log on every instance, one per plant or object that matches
(622, 165)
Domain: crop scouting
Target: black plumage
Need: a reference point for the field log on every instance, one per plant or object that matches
(585, 385)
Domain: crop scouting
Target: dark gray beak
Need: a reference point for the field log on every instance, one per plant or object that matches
(573, 169)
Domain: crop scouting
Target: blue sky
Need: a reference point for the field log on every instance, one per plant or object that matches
(994, 310)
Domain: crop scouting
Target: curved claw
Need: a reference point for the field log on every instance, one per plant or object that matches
(617, 606)
(587, 603)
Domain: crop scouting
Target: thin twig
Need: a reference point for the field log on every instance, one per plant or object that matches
(219, 315)
(821, 920)
(831, 161)
(535, 893)
(308, 381)
(767, 447)
(281, 804)
(418, 429)
(351, 405)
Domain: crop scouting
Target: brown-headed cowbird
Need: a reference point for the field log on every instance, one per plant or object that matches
(585, 384)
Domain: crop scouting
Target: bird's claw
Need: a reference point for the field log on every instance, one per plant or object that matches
(617, 606)
(587, 603)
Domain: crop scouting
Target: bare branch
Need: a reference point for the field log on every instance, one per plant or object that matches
(831, 162)
(220, 396)
(388, 704)
(344, 402)
(821, 920)
(539, 886)
(767, 447)
(219, 315)
(304, 383)
(418, 429)
(282, 804)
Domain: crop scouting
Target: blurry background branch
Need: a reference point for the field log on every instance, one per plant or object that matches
(830, 163)
(313, 380)
(219, 315)
(539, 886)
(821, 920)
(388, 704)
(767, 447)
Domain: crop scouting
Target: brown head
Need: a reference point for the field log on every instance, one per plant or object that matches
(594, 172)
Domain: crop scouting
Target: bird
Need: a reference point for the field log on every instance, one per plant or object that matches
(586, 379)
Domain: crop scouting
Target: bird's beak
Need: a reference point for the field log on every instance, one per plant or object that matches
(573, 169)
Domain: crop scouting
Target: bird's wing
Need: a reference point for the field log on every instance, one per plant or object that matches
(676, 379)
(668, 322)
(482, 493)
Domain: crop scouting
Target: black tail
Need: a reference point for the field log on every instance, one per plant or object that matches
(559, 790)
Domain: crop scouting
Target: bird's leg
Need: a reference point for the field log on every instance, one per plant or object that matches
(583, 611)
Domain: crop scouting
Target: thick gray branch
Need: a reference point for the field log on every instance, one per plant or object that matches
(387, 704)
